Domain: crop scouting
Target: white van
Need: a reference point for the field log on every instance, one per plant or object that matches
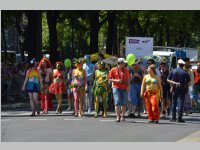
(168, 57)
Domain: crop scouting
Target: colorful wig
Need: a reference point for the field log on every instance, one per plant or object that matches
(47, 61)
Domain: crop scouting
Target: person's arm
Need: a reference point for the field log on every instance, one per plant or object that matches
(40, 79)
(142, 86)
(111, 77)
(85, 79)
(160, 87)
(170, 81)
(25, 81)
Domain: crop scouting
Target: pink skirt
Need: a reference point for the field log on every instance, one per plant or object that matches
(57, 88)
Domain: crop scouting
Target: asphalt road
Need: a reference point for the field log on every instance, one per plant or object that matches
(17, 126)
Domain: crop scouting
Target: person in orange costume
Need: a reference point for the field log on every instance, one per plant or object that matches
(153, 93)
(58, 86)
(79, 86)
(45, 71)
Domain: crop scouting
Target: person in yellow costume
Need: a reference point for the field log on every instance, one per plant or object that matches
(152, 94)
(79, 86)
(100, 87)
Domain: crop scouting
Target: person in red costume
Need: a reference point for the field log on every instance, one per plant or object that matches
(45, 72)
(58, 86)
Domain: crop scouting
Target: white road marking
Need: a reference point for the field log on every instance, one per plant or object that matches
(5, 119)
(37, 119)
(72, 119)
(107, 120)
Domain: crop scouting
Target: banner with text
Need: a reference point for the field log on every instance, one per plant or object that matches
(140, 46)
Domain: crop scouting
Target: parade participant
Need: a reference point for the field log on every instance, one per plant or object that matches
(32, 86)
(196, 86)
(45, 72)
(58, 86)
(164, 71)
(179, 80)
(152, 62)
(135, 88)
(79, 86)
(153, 92)
(100, 87)
(88, 67)
(100, 58)
(68, 79)
(119, 76)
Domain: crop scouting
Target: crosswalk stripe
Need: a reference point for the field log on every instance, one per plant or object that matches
(5, 119)
(73, 119)
(37, 119)
(106, 120)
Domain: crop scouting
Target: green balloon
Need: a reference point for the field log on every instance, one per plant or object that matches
(67, 63)
(131, 59)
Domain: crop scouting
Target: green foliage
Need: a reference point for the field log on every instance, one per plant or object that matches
(45, 31)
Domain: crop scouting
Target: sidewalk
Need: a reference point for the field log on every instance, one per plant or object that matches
(194, 137)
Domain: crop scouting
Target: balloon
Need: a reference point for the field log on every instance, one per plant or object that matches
(67, 63)
(131, 59)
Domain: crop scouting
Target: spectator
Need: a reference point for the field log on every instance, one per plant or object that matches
(179, 79)
(135, 88)
(165, 103)
(196, 86)
(119, 76)
(188, 96)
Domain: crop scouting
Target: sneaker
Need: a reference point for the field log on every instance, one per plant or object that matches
(173, 120)
(129, 115)
(38, 113)
(180, 121)
(133, 115)
(139, 116)
(89, 111)
(33, 114)
(69, 108)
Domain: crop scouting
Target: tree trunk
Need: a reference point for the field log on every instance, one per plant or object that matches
(53, 44)
(4, 39)
(34, 35)
(111, 44)
(167, 30)
(94, 31)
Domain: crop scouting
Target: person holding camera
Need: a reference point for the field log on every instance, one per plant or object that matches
(119, 76)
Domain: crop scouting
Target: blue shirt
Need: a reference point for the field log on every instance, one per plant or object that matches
(181, 76)
(88, 67)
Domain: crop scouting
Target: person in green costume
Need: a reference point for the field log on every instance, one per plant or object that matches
(100, 87)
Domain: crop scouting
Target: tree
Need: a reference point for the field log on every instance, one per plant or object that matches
(52, 16)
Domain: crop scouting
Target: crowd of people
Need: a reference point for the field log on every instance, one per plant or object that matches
(156, 91)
